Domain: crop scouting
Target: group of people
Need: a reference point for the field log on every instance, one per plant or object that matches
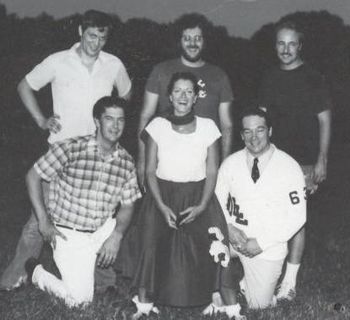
(83, 190)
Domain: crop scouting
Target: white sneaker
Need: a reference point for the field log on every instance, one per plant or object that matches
(285, 291)
(216, 298)
(211, 309)
(143, 308)
(233, 312)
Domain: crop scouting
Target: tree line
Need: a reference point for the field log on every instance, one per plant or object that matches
(141, 43)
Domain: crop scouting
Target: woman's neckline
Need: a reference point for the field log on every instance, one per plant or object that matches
(188, 128)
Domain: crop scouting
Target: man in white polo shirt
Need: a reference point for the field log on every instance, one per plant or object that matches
(79, 77)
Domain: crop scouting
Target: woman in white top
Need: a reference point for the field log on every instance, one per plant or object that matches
(174, 266)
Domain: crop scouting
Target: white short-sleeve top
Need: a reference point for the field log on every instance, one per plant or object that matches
(75, 90)
(182, 157)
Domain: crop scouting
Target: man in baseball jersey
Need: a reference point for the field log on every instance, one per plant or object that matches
(261, 191)
(78, 76)
(298, 101)
(215, 93)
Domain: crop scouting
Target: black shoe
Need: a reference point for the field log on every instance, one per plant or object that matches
(29, 266)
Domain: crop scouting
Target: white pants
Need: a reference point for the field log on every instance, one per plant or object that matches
(260, 280)
(75, 259)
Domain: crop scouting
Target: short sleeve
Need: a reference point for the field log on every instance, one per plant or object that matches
(210, 131)
(53, 161)
(130, 191)
(122, 81)
(322, 96)
(156, 128)
(42, 74)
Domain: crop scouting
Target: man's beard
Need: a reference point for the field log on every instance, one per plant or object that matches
(189, 58)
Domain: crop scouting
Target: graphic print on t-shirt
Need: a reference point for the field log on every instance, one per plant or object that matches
(202, 89)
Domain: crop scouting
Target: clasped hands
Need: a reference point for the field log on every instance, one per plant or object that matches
(248, 247)
(186, 216)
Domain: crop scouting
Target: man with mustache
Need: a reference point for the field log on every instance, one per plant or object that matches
(215, 93)
(298, 101)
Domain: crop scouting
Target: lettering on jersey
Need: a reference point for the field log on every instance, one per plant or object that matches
(202, 91)
(294, 197)
(233, 210)
(307, 193)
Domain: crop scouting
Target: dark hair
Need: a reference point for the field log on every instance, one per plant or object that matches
(183, 76)
(289, 25)
(191, 21)
(95, 19)
(255, 111)
(107, 102)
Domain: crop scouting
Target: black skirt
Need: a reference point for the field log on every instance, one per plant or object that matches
(174, 266)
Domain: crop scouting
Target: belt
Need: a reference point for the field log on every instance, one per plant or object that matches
(75, 229)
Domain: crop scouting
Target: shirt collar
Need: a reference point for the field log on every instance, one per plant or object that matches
(263, 159)
(74, 54)
(93, 146)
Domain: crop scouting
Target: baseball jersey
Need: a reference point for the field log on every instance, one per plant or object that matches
(271, 210)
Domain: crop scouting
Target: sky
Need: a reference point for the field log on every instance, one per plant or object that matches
(241, 17)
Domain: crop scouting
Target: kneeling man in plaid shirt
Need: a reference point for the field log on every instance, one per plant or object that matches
(89, 178)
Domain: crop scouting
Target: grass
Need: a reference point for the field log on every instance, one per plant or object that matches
(324, 277)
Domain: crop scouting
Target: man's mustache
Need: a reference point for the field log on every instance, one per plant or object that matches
(193, 47)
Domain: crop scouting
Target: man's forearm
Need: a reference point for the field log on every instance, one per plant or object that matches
(30, 102)
(148, 111)
(123, 219)
(35, 191)
(226, 142)
(226, 127)
(325, 133)
(141, 144)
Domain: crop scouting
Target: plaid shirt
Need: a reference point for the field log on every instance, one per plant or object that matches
(86, 188)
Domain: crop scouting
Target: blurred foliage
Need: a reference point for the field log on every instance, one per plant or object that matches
(141, 43)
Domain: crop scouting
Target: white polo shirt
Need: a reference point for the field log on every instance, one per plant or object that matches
(75, 90)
